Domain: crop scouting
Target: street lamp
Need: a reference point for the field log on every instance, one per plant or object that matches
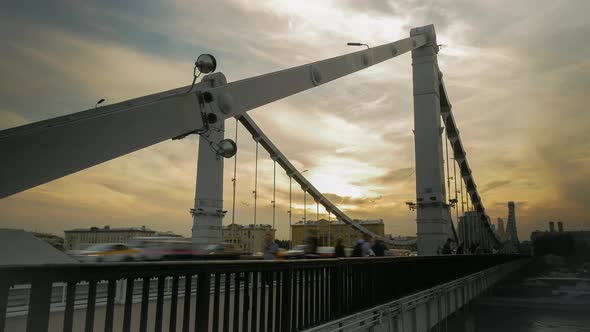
(357, 44)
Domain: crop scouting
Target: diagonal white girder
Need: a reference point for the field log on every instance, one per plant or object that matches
(460, 156)
(40, 152)
(286, 165)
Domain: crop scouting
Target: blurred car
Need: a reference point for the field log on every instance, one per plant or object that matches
(105, 252)
(297, 252)
(302, 251)
(326, 252)
(163, 248)
(221, 251)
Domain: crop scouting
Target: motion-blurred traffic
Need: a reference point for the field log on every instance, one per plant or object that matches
(163, 248)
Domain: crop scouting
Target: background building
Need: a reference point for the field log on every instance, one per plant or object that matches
(563, 243)
(328, 232)
(501, 231)
(249, 238)
(82, 238)
(551, 226)
(512, 234)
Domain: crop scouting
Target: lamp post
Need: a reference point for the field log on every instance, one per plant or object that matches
(304, 210)
(357, 44)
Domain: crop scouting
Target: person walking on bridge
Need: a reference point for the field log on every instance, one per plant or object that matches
(460, 249)
(270, 247)
(339, 249)
(446, 249)
(379, 248)
(366, 250)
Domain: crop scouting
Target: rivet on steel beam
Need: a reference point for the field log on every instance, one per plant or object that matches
(225, 103)
(365, 58)
(316, 75)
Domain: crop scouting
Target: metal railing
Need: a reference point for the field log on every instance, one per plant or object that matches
(19, 295)
(270, 296)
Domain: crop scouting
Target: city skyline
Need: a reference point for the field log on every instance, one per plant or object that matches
(509, 93)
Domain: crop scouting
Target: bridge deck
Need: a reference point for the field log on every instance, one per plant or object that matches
(304, 294)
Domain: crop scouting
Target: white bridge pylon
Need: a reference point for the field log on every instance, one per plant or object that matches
(40, 152)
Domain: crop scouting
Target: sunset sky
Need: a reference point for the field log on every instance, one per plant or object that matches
(517, 73)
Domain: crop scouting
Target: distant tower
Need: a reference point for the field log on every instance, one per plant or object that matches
(501, 231)
(560, 226)
(511, 225)
(551, 226)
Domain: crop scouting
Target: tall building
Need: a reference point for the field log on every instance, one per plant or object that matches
(328, 232)
(560, 226)
(551, 226)
(82, 238)
(512, 234)
(501, 231)
(249, 238)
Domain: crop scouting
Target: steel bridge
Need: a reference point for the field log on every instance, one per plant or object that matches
(296, 295)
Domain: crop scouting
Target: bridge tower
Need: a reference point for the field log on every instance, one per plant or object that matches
(433, 214)
(208, 209)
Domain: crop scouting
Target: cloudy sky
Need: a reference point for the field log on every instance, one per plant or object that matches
(517, 73)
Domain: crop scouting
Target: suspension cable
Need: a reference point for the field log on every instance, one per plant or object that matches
(304, 214)
(448, 170)
(329, 228)
(455, 181)
(446, 137)
(255, 194)
(462, 202)
(290, 212)
(274, 189)
(233, 212)
(317, 219)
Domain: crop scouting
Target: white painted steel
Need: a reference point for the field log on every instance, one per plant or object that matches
(40, 152)
(241, 96)
(422, 311)
(208, 209)
(285, 164)
(433, 216)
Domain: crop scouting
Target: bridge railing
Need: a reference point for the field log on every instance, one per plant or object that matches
(236, 295)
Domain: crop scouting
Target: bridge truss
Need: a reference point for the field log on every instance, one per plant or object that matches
(47, 150)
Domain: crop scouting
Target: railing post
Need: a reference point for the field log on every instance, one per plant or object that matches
(38, 318)
(373, 283)
(202, 298)
(128, 304)
(120, 291)
(286, 299)
(4, 288)
(90, 306)
(336, 290)
(111, 290)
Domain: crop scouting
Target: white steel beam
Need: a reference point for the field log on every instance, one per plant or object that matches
(47, 150)
(244, 95)
(280, 158)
